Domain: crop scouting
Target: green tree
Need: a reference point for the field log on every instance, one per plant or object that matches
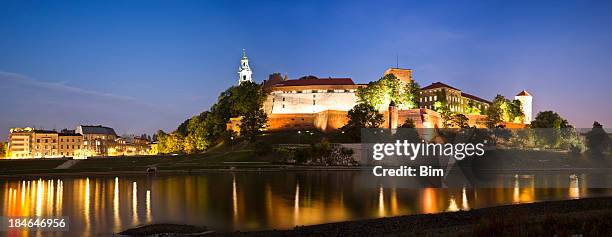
(472, 108)
(597, 140)
(195, 139)
(459, 120)
(551, 129)
(549, 119)
(389, 88)
(362, 116)
(252, 124)
(412, 95)
(495, 112)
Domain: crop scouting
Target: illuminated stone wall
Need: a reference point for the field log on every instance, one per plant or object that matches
(309, 101)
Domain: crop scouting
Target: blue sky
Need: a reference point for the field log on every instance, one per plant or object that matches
(140, 66)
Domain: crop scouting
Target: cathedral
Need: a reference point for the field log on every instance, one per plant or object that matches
(311, 102)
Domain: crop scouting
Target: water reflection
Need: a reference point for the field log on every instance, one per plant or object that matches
(247, 201)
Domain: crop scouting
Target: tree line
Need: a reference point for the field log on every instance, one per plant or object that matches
(209, 128)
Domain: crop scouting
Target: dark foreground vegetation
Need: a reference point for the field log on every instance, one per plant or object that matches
(582, 217)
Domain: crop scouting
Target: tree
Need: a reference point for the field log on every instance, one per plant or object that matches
(362, 116)
(551, 129)
(503, 110)
(408, 131)
(389, 88)
(597, 140)
(242, 100)
(459, 121)
(549, 119)
(411, 95)
(195, 139)
(252, 124)
(472, 108)
(495, 112)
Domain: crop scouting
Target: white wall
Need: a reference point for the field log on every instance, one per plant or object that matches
(303, 102)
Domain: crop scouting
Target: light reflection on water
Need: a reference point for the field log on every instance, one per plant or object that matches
(250, 201)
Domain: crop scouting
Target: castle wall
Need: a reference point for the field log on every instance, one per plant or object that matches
(309, 101)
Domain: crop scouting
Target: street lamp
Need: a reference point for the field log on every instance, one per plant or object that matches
(299, 133)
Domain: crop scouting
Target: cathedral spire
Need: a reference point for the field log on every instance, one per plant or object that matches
(244, 71)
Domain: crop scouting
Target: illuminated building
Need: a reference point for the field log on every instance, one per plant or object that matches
(19, 142)
(70, 144)
(526, 102)
(456, 100)
(97, 139)
(310, 102)
(32, 143)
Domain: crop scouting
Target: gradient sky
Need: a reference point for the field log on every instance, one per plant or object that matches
(139, 66)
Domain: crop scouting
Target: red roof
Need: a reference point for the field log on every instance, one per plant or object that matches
(473, 97)
(523, 93)
(312, 81)
(438, 85)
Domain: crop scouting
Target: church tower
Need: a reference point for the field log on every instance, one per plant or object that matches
(526, 102)
(244, 71)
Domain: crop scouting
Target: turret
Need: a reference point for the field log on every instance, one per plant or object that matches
(526, 102)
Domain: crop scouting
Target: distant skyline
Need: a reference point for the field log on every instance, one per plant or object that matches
(140, 66)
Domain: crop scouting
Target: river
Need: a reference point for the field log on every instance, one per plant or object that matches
(226, 201)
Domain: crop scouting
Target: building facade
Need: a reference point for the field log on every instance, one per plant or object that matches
(97, 139)
(70, 144)
(33, 143)
(456, 100)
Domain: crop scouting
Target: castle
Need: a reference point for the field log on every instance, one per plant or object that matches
(310, 102)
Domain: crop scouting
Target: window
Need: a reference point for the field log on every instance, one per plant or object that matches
(314, 102)
(283, 106)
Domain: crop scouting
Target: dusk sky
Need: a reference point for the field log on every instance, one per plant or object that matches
(140, 66)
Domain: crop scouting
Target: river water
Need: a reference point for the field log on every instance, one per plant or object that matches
(224, 201)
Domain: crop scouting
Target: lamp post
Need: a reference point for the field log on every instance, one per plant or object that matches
(299, 133)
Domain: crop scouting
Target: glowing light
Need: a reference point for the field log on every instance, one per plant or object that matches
(296, 204)
(381, 201)
(148, 205)
(464, 200)
(117, 219)
(134, 203)
(574, 187)
(452, 206)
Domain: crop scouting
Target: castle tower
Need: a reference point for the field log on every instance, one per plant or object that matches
(404, 75)
(526, 103)
(393, 114)
(244, 71)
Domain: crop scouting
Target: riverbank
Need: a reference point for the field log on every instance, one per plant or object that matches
(247, 160)
(582, 217)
